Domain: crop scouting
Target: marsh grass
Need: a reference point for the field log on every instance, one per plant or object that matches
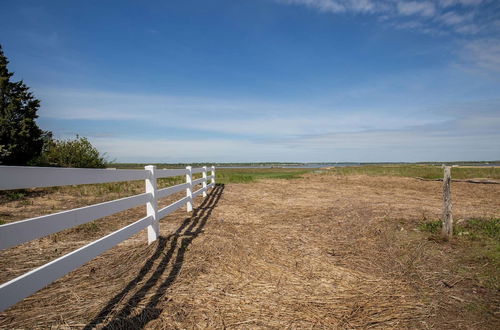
(251, 175)
(472, 228)
(420, 171)
(480, 241)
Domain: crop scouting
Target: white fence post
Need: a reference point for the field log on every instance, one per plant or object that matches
(15, 233)
(213, 175)
(205, 182)
(189, 190)
(152, 205)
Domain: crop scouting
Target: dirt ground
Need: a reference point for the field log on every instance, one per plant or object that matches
(323, 251)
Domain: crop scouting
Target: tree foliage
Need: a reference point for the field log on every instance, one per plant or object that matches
(72, 153)
(21, 140)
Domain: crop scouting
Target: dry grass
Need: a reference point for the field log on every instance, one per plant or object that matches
(325, 251)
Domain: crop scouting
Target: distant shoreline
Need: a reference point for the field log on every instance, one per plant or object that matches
(269, 165)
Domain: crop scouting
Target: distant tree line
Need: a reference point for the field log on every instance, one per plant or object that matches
(22, 142)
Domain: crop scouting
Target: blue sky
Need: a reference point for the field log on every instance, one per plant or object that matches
(264, 80)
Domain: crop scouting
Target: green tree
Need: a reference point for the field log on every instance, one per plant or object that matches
(71, 153)
(21, 140)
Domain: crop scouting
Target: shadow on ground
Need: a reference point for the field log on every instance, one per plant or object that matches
(117, 314)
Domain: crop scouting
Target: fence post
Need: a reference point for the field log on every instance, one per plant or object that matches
(213, 175)
(189, 189)
(205, 182)
(447, 228)
(152, 205)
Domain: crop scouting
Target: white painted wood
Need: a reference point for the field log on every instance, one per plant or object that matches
(199, 191)
(196, 170)
(18, 232)
(204, 181)
(209, 177)
(152, 204)
(171, 190)
(167, 173)
(172, 207)
(189, 191)
(22, 231)
(27, 284)
(20, 177)
(213, 175)
(197, 181)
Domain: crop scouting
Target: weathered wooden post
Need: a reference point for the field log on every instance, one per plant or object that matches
(152, 205)
(205, 182)
(447, 228)
(189, 189)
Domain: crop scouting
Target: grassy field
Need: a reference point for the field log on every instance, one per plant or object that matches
(248, 175)
(425, 171)
(420, 171)
(479, 240)
(412, 171)
(259, 254)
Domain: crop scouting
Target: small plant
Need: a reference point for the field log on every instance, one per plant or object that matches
(90, 227)
(483, 227)
(14, 195)
(430, 226)
(472, 228)
(25, 202)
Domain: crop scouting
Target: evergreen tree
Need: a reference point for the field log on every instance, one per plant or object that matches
(21, 140)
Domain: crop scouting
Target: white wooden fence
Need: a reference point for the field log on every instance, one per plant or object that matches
(15, 233)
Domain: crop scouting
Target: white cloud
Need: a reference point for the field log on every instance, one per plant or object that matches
(423, 14)
(452, 18)
(466, 140)
(270, 131)
(482, 54)
(449, 3)
(337, 6)
(423, 8)
(239, 117)
(187, 150)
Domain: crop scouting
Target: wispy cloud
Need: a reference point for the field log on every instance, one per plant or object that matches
(431, 16)
(467, 140)
(482, 55)
(219, 129)
(241, 117)
(424, 8)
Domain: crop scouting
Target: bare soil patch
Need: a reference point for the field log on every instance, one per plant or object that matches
(323, 251)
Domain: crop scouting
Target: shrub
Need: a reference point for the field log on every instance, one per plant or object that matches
(71, 153)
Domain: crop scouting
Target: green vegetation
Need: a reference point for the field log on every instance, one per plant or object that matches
(473, 228)
(420, 171)
(426, 171)
(13, 195)
(246, 175)
(22, 142)
(21, 139)
(71, 153)
(231, 175)
(480, 241)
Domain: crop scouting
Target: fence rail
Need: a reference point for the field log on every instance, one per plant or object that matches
(15, 233)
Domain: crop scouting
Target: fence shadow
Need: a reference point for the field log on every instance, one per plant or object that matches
(167, 246)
